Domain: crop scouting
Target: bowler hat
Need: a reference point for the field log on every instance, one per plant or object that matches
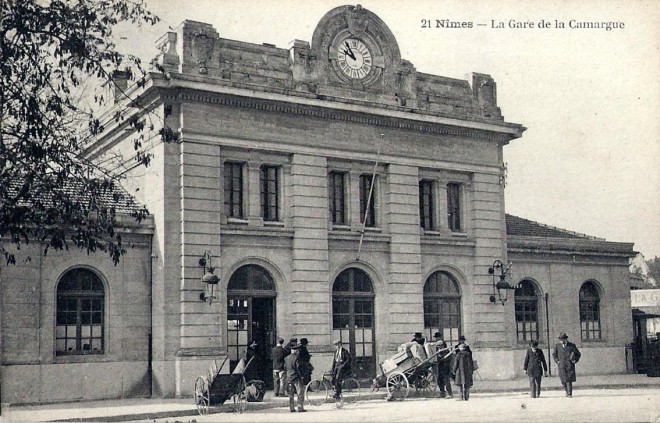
(534, 343)
(418, 334)
(461, 338)
(563, 336)
(437, 335)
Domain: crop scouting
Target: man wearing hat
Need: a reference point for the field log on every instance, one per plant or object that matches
(419, 338)
(306, 367)
(287, 351)
(294, 378)
(277, 355)
(462, 340)
(535, 367)
(443, 366)
(566, 355)
(341, 367)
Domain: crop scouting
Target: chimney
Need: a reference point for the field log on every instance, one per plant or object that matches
(120, 84)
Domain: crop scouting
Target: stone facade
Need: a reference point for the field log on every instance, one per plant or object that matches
(242, 106)
(32, 371)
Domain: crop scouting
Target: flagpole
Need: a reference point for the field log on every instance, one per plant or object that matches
(371, 191)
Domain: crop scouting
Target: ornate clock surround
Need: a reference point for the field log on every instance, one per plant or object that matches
(354, 22)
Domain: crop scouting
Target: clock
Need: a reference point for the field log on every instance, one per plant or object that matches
(354, 58)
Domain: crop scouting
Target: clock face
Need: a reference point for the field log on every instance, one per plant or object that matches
(354, 58)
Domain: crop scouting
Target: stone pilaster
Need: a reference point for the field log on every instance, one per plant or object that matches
(405, 293)
(309, 278)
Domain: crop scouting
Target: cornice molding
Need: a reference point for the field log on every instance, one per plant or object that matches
(333, 114)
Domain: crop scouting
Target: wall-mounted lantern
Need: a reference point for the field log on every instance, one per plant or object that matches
(209, 279)
(499, 272)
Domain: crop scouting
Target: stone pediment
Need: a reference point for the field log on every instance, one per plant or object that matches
(353, 56)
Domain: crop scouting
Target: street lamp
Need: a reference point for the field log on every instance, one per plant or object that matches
(209, 279)
(499, 272)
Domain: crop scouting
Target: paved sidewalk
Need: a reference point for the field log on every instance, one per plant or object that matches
(146, 408)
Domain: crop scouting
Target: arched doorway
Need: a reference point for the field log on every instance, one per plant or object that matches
(251, 316)
(353, 319)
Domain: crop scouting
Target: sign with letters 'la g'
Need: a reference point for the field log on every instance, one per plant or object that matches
(645, 298)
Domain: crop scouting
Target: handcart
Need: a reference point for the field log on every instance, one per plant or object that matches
(402, 370)
(214, 389)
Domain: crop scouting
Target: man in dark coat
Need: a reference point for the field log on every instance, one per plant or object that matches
(306, 367)
(566, 355)
(251, 361)
(443, 366)
(463, 368)
(277, 354)
(294, 379)
(341, 367)
(535, 367)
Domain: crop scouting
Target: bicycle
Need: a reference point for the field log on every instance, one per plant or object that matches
(318, 391)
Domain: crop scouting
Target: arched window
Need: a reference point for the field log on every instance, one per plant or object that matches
(527, 311)
(79, 316)
(353, 318)
(442, 306)
(590, 312)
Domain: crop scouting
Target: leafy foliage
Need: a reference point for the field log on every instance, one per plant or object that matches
(654, 269)
(52, 51)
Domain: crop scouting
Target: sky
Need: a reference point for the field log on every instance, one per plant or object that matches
(589, 161)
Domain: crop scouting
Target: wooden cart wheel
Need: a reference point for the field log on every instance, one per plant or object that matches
(426, 384)
(202, 395)
(397, 386)
(240, 399)
(316, 392)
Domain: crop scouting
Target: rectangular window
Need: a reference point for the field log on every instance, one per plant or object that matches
(527, 327)
(234, 190)
(367, 204)
(337, 197)
(426, 204)
(79, 325)
(590, 319)
(269, 189)
(454, 207)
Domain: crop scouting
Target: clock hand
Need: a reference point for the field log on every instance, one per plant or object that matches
(349, 52)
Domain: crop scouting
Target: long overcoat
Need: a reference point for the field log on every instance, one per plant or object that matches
(566, 357)
(535, 363)
(463, 368)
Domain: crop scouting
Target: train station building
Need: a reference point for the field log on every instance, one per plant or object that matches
(334, 192)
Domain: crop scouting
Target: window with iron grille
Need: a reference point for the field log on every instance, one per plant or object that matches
(426, 204)
(337, 200)
(365, 189)
(527, 311)
(442, 307)
(233, 189)
(269, 188)
(79, 318)
(454, 207)
(590, 312)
